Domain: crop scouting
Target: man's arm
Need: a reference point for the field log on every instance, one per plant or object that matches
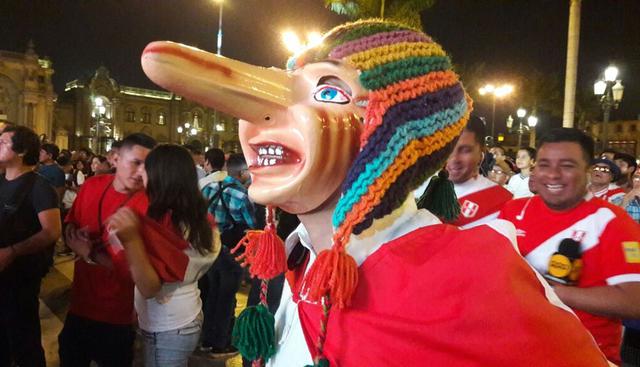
(60, 191)
(51, 229)
(619, 301)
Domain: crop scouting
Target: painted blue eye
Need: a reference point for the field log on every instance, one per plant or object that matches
(331, 94)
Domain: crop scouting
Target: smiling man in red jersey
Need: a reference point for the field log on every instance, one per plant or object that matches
(608, 288)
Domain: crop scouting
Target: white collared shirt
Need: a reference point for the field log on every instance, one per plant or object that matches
(292, 348)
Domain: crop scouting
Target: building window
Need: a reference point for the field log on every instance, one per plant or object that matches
(130, 115)
(632, 128)
(146, 115)
(619, 128)
(161, 119)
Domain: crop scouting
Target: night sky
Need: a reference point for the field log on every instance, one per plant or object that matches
(509, 37)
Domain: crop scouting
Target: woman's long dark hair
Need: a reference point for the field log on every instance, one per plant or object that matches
(172, 188)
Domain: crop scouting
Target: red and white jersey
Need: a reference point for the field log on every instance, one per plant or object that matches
(480, 201)
(610, 246)
(435, 295)
(612, 194)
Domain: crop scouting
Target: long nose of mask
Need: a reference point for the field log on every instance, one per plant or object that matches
(242, 90)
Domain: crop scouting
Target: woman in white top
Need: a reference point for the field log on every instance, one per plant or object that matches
(519, 184)
(169, 314)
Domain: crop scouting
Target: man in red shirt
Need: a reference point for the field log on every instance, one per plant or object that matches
(480, 199)
(608, 288)
(98, 326)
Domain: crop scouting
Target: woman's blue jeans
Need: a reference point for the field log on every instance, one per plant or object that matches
(171, 348)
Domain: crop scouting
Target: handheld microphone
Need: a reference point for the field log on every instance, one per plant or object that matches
(565, 265)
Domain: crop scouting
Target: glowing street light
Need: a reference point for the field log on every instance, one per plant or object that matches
(610, 91)
(522, 128)
(295, 45)
(497, 92)
(532, 121)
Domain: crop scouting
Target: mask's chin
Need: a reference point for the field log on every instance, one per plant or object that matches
(293, 199)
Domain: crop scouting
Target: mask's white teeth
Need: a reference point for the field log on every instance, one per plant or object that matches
(270, 155)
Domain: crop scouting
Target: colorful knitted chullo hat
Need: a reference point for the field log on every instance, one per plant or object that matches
(416, 110)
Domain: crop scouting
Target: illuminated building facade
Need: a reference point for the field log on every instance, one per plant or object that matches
(97, 111)
(26, 91)
(623, 135)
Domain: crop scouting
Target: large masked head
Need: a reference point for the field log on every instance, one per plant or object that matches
(369, 113)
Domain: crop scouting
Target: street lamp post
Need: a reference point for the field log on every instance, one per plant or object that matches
(219, 42)
(610, 91)
(496, 93)
(98, 114)
(522, 128)
(532, 121)
(521, 112)
(187, 129)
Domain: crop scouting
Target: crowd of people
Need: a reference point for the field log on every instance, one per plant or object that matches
(539, 263)
(167, 248)
(180, 307)
(564, 191)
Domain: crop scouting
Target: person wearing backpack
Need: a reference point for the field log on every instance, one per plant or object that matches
(229, 202)
(29, 226)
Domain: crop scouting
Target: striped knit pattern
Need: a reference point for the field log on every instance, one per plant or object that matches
(417, 108)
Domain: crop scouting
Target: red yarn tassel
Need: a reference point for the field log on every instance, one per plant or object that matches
(264, 251)
(335, 273)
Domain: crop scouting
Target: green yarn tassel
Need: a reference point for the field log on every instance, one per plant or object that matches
(440, 198)
(254, 333)
(322, 362)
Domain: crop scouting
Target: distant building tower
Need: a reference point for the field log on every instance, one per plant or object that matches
(26, 92)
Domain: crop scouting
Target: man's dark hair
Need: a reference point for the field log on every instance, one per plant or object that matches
(6, 125)
(501, 148)
(51, 149)
(63, 160)
(140, 139)
(116, 144)
(25, 141)
(609, 150)
(235, 164)
(570, 135)
(65, 152)
(627, 158)
(477, 127)
(86, 151)
(531, 151)
(215, 157)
